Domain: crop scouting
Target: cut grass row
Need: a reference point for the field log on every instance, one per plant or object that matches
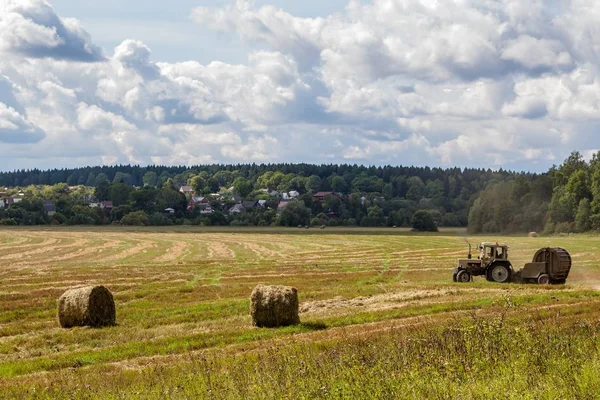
(196, 303)
(500, 354)
(100, 345)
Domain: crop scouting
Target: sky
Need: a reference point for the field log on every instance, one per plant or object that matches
(441, 83)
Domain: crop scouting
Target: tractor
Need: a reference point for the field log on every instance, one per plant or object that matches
(549, 265)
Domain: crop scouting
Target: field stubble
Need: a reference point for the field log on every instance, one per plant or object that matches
(182, 309)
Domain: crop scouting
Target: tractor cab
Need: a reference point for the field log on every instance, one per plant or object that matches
(490, 251)
(492, 263)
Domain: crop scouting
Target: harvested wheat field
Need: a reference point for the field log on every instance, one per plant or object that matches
(380, 317)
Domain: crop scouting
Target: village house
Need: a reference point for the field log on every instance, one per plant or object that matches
(237, 209)
(170, 211)
(49, 208)
(106, 205)
(207, 211)
(12, 200)
(186, 190)
(201, 202)
(250, 204)
(291, 195)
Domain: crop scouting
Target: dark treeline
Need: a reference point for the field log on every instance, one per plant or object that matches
(364, 196)
(565, 200)
(134, 174)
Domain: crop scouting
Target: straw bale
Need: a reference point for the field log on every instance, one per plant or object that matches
(273, 306)
(86, 306)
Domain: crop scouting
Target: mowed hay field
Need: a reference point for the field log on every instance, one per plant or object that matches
(380, 316)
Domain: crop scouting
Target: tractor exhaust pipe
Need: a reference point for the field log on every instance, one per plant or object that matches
(466, 239)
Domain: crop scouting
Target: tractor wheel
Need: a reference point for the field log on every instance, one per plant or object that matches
(463, 276)
(543, 279)
(454, 276)
(500, 273)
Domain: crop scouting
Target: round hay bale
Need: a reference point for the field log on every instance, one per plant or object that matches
(533, 234)
(86, 306)
(273, 306)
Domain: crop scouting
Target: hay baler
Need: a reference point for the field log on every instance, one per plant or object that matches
(549, 265)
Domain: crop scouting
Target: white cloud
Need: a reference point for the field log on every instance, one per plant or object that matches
(260, 149)
(472, 83)
(536, 53)
(96, 120)
(31, 28)
(14, 127)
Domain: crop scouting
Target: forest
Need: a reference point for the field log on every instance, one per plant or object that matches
(565, 199)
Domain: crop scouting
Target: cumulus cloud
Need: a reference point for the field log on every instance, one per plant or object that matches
(492, 83)
(535, 53)
(430, 40)
(135, 55)
(261, 149)
(7, 96)
(32, 28)
(94, 119)
(14, 125)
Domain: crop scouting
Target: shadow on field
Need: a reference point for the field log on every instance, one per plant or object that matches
(314, 326)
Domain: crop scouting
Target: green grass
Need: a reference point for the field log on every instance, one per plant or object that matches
(481, 358)
(384, 319)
